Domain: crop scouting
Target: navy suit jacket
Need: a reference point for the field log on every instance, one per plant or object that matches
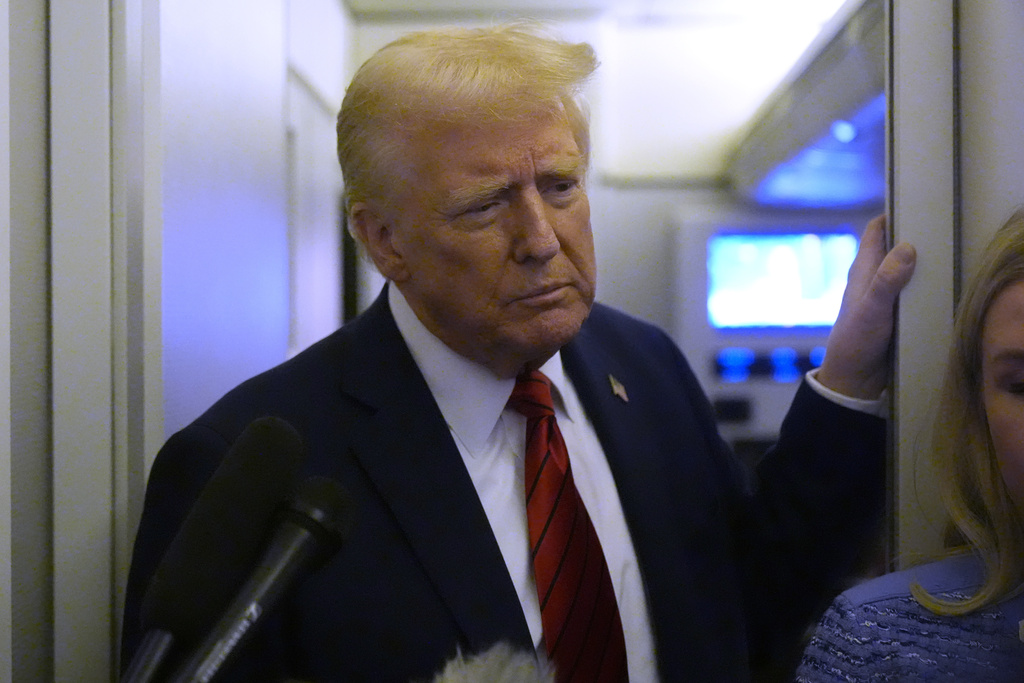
(734, 563)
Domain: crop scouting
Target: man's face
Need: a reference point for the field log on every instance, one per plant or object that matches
(487, 235)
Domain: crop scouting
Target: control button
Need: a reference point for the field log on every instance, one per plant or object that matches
(785, 366)
(732, 364)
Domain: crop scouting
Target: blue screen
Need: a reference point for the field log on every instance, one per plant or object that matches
(782, 280)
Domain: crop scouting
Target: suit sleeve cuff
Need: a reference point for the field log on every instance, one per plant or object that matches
(878, 407)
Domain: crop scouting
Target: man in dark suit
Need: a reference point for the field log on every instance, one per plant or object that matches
(464, 155)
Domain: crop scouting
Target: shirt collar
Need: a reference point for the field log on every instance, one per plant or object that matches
(470, 396)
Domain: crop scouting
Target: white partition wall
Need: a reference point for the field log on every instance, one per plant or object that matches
(923, 199)
(81, 317)
(136, 269)
(318, 43)
(6, 584)
(104, 270)
(225, 245)
(957, 172)
(992, 119)
(28, 506)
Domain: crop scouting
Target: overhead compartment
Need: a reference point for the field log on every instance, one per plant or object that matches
(819, 139)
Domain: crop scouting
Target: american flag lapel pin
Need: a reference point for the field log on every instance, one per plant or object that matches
(618, 389)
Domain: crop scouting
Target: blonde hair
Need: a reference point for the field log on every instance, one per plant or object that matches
(972, 487)
(483, 74)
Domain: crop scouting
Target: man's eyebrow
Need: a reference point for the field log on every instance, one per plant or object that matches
(565, 167)
(483, 189)
(487, 188)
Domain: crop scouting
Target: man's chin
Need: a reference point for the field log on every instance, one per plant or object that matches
(551, 332)
(531, 340)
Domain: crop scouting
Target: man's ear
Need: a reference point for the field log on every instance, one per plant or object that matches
(378, 238)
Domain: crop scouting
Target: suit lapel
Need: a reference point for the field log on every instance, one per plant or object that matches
(408, 452)
(623, 412)
(619, 429)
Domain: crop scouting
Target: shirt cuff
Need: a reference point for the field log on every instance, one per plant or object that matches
(878, 407)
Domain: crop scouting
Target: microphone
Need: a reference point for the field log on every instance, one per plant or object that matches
(217, 543)
(309, 530)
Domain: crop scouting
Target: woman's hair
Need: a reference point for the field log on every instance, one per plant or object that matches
(504, 73)
(973, 490)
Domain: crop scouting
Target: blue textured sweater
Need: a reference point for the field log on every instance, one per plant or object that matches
(877, 632)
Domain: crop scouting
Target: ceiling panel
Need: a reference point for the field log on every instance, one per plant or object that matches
(679, 82)
(753, 10)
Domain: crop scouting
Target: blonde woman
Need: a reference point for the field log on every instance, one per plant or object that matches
(959, 618)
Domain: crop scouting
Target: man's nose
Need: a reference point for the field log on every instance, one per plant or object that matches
(535, 233)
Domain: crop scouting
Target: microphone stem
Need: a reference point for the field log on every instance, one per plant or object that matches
(285, 557)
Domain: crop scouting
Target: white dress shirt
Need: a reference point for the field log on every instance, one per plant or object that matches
(492, 442)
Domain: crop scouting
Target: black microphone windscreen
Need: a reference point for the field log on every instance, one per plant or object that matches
(223, 534)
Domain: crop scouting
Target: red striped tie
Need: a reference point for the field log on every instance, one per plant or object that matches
(582, 629)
